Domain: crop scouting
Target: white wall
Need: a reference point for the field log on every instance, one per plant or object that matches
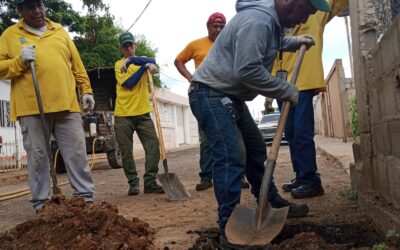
(8, 134)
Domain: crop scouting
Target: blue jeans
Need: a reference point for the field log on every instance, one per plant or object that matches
(299, 133)
(236, 144)
(205, 158)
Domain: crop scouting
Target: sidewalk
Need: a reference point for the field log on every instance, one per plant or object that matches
(342, 151)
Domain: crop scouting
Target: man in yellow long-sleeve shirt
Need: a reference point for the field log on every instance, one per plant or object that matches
(59, 71)
(299, 130)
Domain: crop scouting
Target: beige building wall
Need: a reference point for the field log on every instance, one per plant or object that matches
(179, 126)
(331, 108)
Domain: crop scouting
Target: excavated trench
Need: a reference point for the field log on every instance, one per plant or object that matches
(341, 235)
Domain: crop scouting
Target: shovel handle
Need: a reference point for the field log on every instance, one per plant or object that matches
(158, 123)
(273, 153)
(46, 137)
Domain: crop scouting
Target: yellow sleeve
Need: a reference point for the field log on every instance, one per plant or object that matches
(336, 6)
(10, 68)
(186, 54)
(78, 69)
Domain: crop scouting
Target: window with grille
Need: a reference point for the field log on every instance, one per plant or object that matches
(5, 121)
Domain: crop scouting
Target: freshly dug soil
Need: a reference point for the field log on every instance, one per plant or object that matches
(73, 224)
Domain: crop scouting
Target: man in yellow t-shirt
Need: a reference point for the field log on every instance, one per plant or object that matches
(299, 130)
(132, 113)
(198, 50)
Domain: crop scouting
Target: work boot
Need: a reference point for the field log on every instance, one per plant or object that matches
(307, 191)
(204, 184)
(287, 187)
(153, 188)
(134, 189)
(295, 210)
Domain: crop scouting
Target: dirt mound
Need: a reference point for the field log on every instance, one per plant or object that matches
(73, 224)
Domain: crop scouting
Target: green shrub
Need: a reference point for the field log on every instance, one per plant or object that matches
(355, 129)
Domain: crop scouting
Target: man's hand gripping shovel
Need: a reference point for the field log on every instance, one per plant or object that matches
(259, 226)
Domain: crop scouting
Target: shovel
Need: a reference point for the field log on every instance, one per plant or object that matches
(56, 188)
(169, 181)
(259, 226)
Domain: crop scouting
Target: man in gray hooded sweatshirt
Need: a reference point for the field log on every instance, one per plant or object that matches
(237, 69)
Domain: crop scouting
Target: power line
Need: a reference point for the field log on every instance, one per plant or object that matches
(139, 15)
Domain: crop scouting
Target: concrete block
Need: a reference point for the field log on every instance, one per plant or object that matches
(393, 164)
(381, 139)
(387, 99)
(381, 179)
(366, 145)
(355, 176)
(394, 130)
(374, 72)
(390, 49)
(374, 107)
(367, 177)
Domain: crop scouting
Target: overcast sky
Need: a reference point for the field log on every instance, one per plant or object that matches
(170, 25)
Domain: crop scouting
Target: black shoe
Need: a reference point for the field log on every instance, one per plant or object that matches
(204, 184)
(134, 189)
(287, 187)
(153, 188)
(245, 184)
(295, 210)
(307, 191)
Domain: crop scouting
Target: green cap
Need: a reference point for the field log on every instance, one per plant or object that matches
(126, 37)
(19, 1)
(321, 5)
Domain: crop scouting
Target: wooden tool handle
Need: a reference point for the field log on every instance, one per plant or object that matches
(273, 153)
(157, 116)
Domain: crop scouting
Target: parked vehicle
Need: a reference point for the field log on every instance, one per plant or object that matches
(99, 125)
(267, 127)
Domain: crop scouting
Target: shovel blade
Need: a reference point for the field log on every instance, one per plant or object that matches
(242, 228)
(173, 187)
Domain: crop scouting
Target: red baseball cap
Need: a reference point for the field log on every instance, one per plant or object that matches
(213, 18)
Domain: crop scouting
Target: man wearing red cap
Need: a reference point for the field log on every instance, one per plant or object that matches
(198, 50)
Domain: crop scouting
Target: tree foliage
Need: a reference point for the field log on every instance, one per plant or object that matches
(56, 10)
(96, 35)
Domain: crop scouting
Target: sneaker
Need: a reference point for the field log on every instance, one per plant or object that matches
(153, 188)
(245, 184)
(287, 187)
(134, 189)
(295, 210)
(204, 184)
(307, 191)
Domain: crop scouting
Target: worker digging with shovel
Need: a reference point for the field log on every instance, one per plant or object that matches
(37, 42)
(237, 69)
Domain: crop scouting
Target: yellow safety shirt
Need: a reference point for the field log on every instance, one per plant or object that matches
(59, 69)
(134, 101)
(311, 75)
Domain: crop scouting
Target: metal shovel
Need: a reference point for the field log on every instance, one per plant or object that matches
(46, 132)
(169, 181)
(259, 226)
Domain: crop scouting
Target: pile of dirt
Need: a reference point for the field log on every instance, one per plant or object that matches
(73, 224)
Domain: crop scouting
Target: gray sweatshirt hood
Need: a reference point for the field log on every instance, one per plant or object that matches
(267, 6)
